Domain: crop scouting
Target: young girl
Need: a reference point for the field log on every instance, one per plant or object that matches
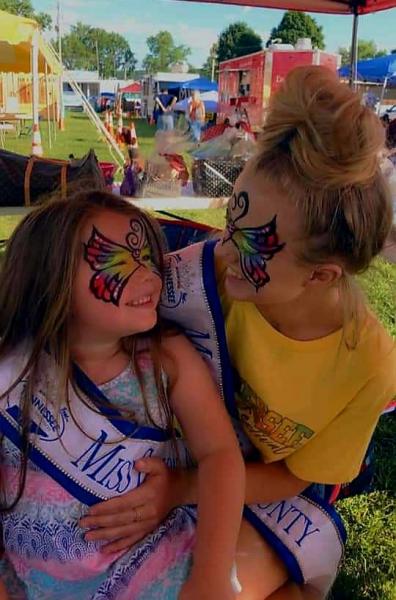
(90, 385)
(314, 368)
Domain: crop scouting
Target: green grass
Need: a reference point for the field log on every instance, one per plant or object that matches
(369, 568)
(78, 137)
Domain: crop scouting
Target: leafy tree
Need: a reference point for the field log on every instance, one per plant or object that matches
(24, 8)
(163, 52)
(296, 25)
(93, 48)
(366, 49)
(238, 39)
(206, 70)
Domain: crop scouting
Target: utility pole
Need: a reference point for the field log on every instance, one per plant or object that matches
(213, 67)
(61, 111)
(97, 56)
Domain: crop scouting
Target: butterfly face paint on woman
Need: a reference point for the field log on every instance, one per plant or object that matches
(114, 264)
(255, 245)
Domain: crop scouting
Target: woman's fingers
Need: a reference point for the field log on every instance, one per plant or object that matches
(114, 533)
(124, 502)
(130, 514)
(128, 539)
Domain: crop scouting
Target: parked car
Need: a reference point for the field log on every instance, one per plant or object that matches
(385, 109)
(391, 112)
(72, 101)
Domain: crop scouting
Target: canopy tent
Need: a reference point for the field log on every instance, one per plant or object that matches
(16, 41)
(322, 6)
(132, 88)
(23, 50)
(374, 70)
(355, 7)
(202, 84)
(210, 99)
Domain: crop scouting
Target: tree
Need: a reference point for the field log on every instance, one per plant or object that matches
(208, 66)
(163, 52)
(93, 48)
(238, 39)
(295, 25)
(366, 49)
(24, 8)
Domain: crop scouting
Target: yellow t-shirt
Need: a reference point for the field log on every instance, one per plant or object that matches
(314, 404)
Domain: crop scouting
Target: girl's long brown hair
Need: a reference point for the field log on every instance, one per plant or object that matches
(36, 283)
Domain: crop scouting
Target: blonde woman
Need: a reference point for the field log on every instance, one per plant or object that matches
(196, 115)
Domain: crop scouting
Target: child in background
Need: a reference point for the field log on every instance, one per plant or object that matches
(90, 383)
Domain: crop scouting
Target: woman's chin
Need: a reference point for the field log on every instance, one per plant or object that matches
(237, 288)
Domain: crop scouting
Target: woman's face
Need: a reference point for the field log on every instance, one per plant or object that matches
(117, 287)
(260, 244)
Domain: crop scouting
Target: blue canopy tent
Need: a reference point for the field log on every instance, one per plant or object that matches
(201, 83)
(374, 70)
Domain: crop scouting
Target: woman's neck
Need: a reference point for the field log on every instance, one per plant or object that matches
(307, 317)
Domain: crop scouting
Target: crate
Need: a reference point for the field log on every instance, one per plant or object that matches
(216, 178)
(158, 181)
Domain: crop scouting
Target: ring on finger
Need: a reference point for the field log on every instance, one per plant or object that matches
(137, 517)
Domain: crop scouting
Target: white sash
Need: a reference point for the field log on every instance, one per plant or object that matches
(89, 450)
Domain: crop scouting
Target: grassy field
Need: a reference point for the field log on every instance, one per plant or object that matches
(369, 569)
(78, 137)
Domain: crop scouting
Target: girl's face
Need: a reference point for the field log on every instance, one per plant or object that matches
(260, 244)
(118, 286)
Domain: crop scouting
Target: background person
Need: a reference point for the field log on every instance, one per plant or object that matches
(196, 115)
(163, 109)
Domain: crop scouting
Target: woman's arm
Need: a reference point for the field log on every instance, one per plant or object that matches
(221, 474)
(264, 483)
(164, 489)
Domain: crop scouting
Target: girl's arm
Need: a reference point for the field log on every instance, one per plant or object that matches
(221, 474)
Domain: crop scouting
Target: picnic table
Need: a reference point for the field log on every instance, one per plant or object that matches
(17, 120)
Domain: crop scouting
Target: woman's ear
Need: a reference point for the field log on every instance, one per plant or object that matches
(327, 274)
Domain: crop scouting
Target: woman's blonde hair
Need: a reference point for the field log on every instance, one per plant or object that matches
(36, 283)
(323, 147)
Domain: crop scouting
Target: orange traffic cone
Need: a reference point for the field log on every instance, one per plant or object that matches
(134, 140)
(37, 148)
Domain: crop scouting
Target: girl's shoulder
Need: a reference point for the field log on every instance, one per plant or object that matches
(178, 355)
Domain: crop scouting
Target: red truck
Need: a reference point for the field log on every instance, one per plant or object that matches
(246, 82)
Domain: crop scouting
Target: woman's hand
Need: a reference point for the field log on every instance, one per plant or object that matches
(125, 520)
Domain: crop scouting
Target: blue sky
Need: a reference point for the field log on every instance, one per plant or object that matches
(198, 25)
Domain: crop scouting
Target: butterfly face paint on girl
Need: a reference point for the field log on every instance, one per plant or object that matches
(117, 286)
(255, 245)
(113, 264)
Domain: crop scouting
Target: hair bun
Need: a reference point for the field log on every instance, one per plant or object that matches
(332, 139)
